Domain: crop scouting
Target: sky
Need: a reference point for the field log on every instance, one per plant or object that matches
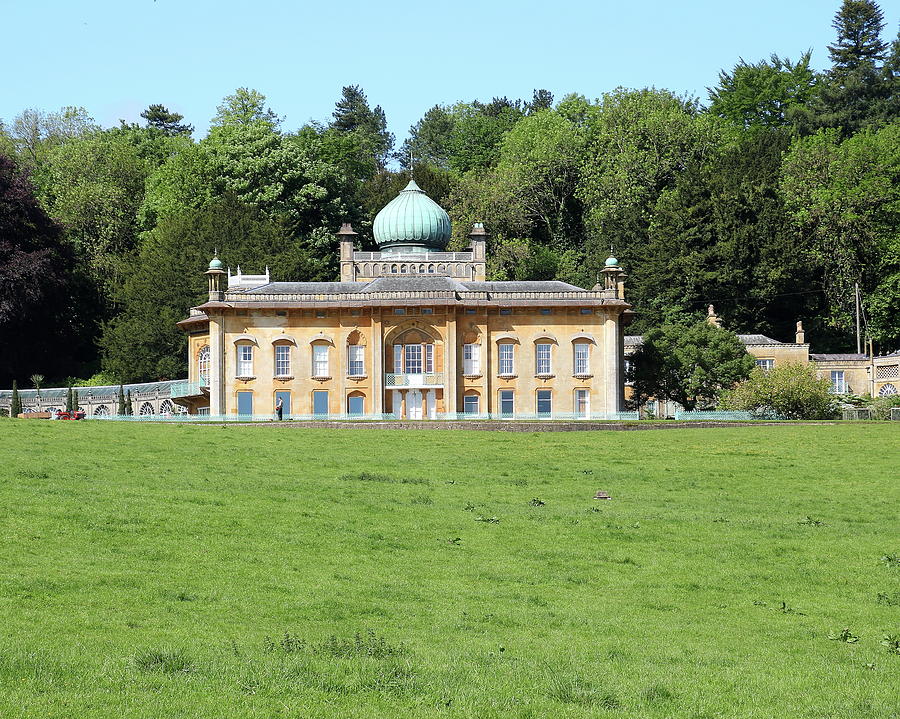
(116, 57)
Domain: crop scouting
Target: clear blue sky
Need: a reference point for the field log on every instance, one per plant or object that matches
(115, 58)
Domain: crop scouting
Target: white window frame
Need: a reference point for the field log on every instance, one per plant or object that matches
(838, 382)
(203, 365)
(543, 358)
(356, 360)
(244, 360)
(320, 360)
(471, 359)
(765, 364)
(282, 360)
(469, 399)
(398, 359)
(506, 359)
(582, 354)
(582, 403)
(512, 400)
(537, 402)
(429, 358)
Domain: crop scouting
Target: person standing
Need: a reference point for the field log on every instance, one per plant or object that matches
(279, 409)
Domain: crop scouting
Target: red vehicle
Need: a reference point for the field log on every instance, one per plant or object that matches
(77, 414)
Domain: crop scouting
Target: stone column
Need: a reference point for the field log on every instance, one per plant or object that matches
(612, 373)
(377, 365)
(217, 351)
(451, 351)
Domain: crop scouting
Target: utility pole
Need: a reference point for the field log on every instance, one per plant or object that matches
(856, 294)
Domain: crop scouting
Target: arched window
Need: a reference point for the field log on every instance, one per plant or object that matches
(887, 390)
(394, 269)
(146, 409)
(203, 365)
(431, 269)
(166, 407)
(101, 411)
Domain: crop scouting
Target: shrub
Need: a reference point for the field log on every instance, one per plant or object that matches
(791, 391)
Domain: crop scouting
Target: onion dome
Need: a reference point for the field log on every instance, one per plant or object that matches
(412, 221)
(215, 263)
(612, 261)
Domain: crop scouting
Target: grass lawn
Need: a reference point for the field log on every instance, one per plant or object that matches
(205, 571)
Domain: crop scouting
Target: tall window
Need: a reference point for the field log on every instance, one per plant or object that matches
(245, 360)
(429, 359)
(320, 360)
(203, 365)
(582, 358)
(544, 402)
(470, 404)
(542, 365)
(356, 361)
(282, 360)
(505, 359)
(582, 403)
(471, 359)
(413, 358)
(506, 402)
(765, 364)
(398, 359)
(838, 383)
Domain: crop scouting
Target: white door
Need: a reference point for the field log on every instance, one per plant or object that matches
(431, 404)
(414, 404)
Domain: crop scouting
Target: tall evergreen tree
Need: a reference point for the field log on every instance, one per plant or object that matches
(120, 408)
(129, 409)
(855, 89)
(169, 123)
(69, 398)
(15, 407)
(353, 114)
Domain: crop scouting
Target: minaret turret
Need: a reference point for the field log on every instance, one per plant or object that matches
(215, 273)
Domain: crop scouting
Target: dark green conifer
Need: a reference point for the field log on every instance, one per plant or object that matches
(129, 410)
(120, 410)
(15, 406)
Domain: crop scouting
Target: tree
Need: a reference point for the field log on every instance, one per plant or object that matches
(843, 200)
(478, 131)
(770, 93)
(15, 406)
(39, 285)
(690, 364)
(74, 399)
(120, 406)
(244, 107)
(540, 100)
(142, 343)
(791, 391)
(855, 90)
(69, 398)
(429, 139)
(169, 123)
(352, 114)
(37, 380)
(129, 409)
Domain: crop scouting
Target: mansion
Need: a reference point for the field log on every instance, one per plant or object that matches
(410, 331)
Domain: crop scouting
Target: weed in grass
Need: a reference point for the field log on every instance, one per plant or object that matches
(811, 522)
(164, 661)
(488, 520)
(423, 499)
(786, 609)
(890, 600)
(535, 502)
(367, 477)
(369, 644)
(891, 560)
(845, 635)
(892, 642)
(455, 541)
(469, 507)
(578, 691)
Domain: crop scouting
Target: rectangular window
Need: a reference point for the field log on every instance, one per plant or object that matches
(471, 359)
(765, 364)
(356, 404)
(429, 359)
(399, 311)
(505, 359)
(282, 360)
(245, 404)
(413, 359)
(320, 401)
(544, 402)
(586, 311)
(505, 311)
(470, 311)
(320, 360)
(427, 311)
(398, 359)
(582, 358)
(285, 398)
(245, 361)
(356, 359)
(546, 311)
(470, 404)
(506, 402)
(838, 383)
(542, 355)
(320, 314)
(582, 403)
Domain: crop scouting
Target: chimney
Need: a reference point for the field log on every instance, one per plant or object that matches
(478, 237)
(346, 235)
(712, 317)
(801, 335)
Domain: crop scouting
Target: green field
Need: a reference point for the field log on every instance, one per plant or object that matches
(206, 571)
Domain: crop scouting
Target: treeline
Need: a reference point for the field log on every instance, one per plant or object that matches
(771, 201)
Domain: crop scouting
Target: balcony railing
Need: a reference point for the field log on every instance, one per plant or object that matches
(414, 380)
(188, 389)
